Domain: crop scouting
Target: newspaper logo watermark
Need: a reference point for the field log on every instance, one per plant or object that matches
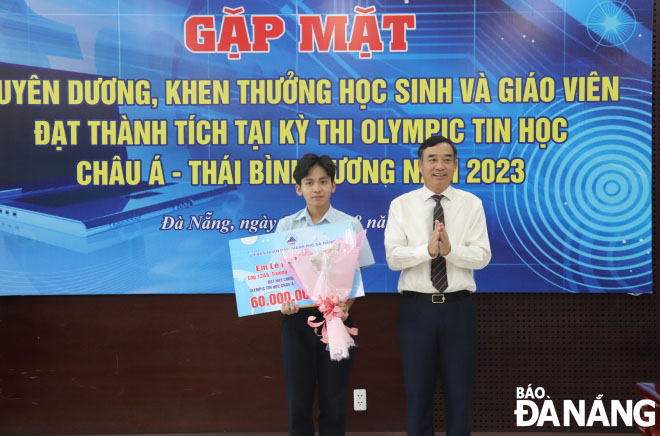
(535, 408)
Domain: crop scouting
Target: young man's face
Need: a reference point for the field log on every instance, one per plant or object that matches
(437, 166)
(316, 188)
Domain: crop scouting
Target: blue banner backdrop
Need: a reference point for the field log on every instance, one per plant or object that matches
(549, 103)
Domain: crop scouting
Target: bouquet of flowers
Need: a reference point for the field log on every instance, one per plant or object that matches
(328, 276)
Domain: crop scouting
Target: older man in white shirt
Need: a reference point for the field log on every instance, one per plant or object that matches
(436, 236)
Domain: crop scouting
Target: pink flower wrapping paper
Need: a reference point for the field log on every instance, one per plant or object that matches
(327, 275)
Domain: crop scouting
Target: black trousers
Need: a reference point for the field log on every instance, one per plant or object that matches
(438, 338)
(306, 362)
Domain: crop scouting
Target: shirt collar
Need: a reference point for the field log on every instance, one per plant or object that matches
(328, 217)
(426, 193)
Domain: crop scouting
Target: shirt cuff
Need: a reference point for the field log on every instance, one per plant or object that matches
(453, 254)
(423, 252)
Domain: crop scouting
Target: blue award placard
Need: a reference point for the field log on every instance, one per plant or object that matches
(261, 280)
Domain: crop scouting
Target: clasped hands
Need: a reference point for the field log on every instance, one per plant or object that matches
(439, 243)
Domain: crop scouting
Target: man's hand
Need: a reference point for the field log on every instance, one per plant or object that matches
(444, 246)
(289, 307)
(439, 243)
(345, 307)
(433, 247)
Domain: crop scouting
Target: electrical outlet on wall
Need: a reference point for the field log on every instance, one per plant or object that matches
(359, 400)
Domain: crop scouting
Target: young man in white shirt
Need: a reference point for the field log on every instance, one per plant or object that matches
(305, 359)
(436, 236)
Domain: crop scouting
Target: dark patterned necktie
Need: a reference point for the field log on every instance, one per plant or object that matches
(439, 264)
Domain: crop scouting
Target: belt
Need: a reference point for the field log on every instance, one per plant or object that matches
(438, 297)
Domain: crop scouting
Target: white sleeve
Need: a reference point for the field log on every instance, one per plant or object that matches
(398, 253)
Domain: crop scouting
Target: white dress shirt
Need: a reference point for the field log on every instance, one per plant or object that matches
(409, 228)
(302, 219)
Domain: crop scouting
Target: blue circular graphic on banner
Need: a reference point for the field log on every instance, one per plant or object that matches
(582, 218)
(611, 23)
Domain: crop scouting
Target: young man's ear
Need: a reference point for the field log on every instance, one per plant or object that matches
(334, 186)
(299, 190)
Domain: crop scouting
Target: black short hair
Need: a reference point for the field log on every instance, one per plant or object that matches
(310, 160)
(435, 140)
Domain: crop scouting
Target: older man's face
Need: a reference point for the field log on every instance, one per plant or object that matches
(437, 166)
